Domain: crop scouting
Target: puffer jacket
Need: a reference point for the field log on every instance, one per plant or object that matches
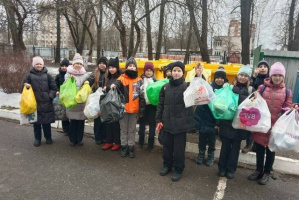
(59, 79)
(44, 89)
(80, 77)
(275, 98)
(226, 128)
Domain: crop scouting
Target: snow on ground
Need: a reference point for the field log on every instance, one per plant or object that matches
(11, 100)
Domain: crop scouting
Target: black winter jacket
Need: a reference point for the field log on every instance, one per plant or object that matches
(259, 80)
(171, 109)
(44, 89)
(226, 128)
(59, 79)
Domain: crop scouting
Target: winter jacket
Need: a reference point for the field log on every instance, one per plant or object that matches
(275, 97)
(111, 79)
(259, 80)
(102, 79)
(171, 110)
(131, 89)
(80, 77)
(59, 79)
(44, 89)
(226, 129)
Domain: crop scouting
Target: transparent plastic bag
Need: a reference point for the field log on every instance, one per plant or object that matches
(28, 103)
(253, 115)
(92, 106)
(199, 92)
(285, 132)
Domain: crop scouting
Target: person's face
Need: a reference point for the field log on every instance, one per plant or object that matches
(112, 69)
(243, 78)
(263, 69)
(38, 67)
(63, 68)
(102, 66)
(277, 79)
(168, 73)
(177, 73)
(77, 66)
(219, 81)
(148, 73)
(132, 67)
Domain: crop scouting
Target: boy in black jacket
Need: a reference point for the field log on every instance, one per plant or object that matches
(175, 119)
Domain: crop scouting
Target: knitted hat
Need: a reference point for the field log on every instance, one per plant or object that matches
(247, 69)
(178, 64)
(131, 61)
(148, 65)
(77, 59)
(168, 67)
(263, 62)
(277, 68)
(65, 62)
(103, 59)
(114, 62)
(220, 72)
(37, 60)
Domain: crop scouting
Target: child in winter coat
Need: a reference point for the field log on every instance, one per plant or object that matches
(44, 89)
(231, 138)
(113, 129)
(59, 80)
(175, 119)
(277, 96)
(207, 124)
(129, 84)
(167, 70)
(96, 80)
(75, 114)
(150, 110)
(260, 73)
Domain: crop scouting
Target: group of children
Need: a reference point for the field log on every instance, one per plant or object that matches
(170, 113)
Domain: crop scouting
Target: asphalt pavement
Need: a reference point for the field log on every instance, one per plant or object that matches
(59, 171)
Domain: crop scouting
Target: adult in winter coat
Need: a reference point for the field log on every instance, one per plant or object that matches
(59, 80)
(277, 97)
(75, 114)
(44, 89)
(176, 120)
(231, 138)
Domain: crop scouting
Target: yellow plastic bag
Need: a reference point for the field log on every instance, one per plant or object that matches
(83, 93)
(191, 74)
(28, 102)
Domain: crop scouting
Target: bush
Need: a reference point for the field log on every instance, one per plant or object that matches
(14, 66)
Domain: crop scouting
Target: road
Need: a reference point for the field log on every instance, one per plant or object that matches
(59, 171)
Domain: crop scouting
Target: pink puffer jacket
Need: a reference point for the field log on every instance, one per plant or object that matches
(275, 97)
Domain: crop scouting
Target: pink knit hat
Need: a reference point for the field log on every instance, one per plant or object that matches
(148, 65)
(277, 68)
(37, 60)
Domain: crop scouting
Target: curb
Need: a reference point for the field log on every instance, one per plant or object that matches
(281, 164)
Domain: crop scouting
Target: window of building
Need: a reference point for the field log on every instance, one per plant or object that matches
(218, 43)
(217, 52)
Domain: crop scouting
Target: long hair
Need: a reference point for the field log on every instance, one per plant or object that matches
(97, 73)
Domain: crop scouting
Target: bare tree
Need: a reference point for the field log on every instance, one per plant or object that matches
(148, 31)
(99, 23)
(161, 25)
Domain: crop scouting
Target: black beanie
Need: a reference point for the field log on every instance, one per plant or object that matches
(263, 62)
(65, 62)
(103, 60)
(114, 62)
(220, 72)
(178, 64)
(168, 67)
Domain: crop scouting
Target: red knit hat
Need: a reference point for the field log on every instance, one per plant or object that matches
(148, 65)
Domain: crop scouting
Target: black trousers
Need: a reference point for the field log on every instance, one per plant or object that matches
(229, 155)
(37, 129)
(99, 130)
(76, 130)
(152, 130)
(260, 157)
(65, 126)
(174, 151)
(113, 132)
(207, 136)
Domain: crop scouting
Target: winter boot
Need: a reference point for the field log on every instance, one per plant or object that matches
(107, 146)
(210, 159)
(200, 157)
(132, 152)
(265, 179)
(124, 150)
(247, 148)
(115, 147)
(49, 141)
(176, 176)
(36, 143)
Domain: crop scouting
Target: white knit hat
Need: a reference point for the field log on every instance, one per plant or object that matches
(77, 59)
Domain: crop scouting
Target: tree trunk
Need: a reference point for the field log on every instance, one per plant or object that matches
(148, 31)
(296, 36)
(138, 38)
(245, 30)
(131, 38)
(187, 54)
(291, 25)
(161, 24)
(99, 23)
(57, 54)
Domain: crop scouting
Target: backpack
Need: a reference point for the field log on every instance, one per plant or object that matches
(285, 100)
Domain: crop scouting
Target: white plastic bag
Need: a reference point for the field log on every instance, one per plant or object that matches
(253, 115)
(146, 82)
(28, 118)
(199, 92)
(285, 132)
(92, 106)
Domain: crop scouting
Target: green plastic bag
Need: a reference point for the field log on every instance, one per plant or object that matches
(225, 105)
(67, 93)
(153, 90)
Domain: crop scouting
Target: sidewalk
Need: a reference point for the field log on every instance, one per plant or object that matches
(282, 164)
